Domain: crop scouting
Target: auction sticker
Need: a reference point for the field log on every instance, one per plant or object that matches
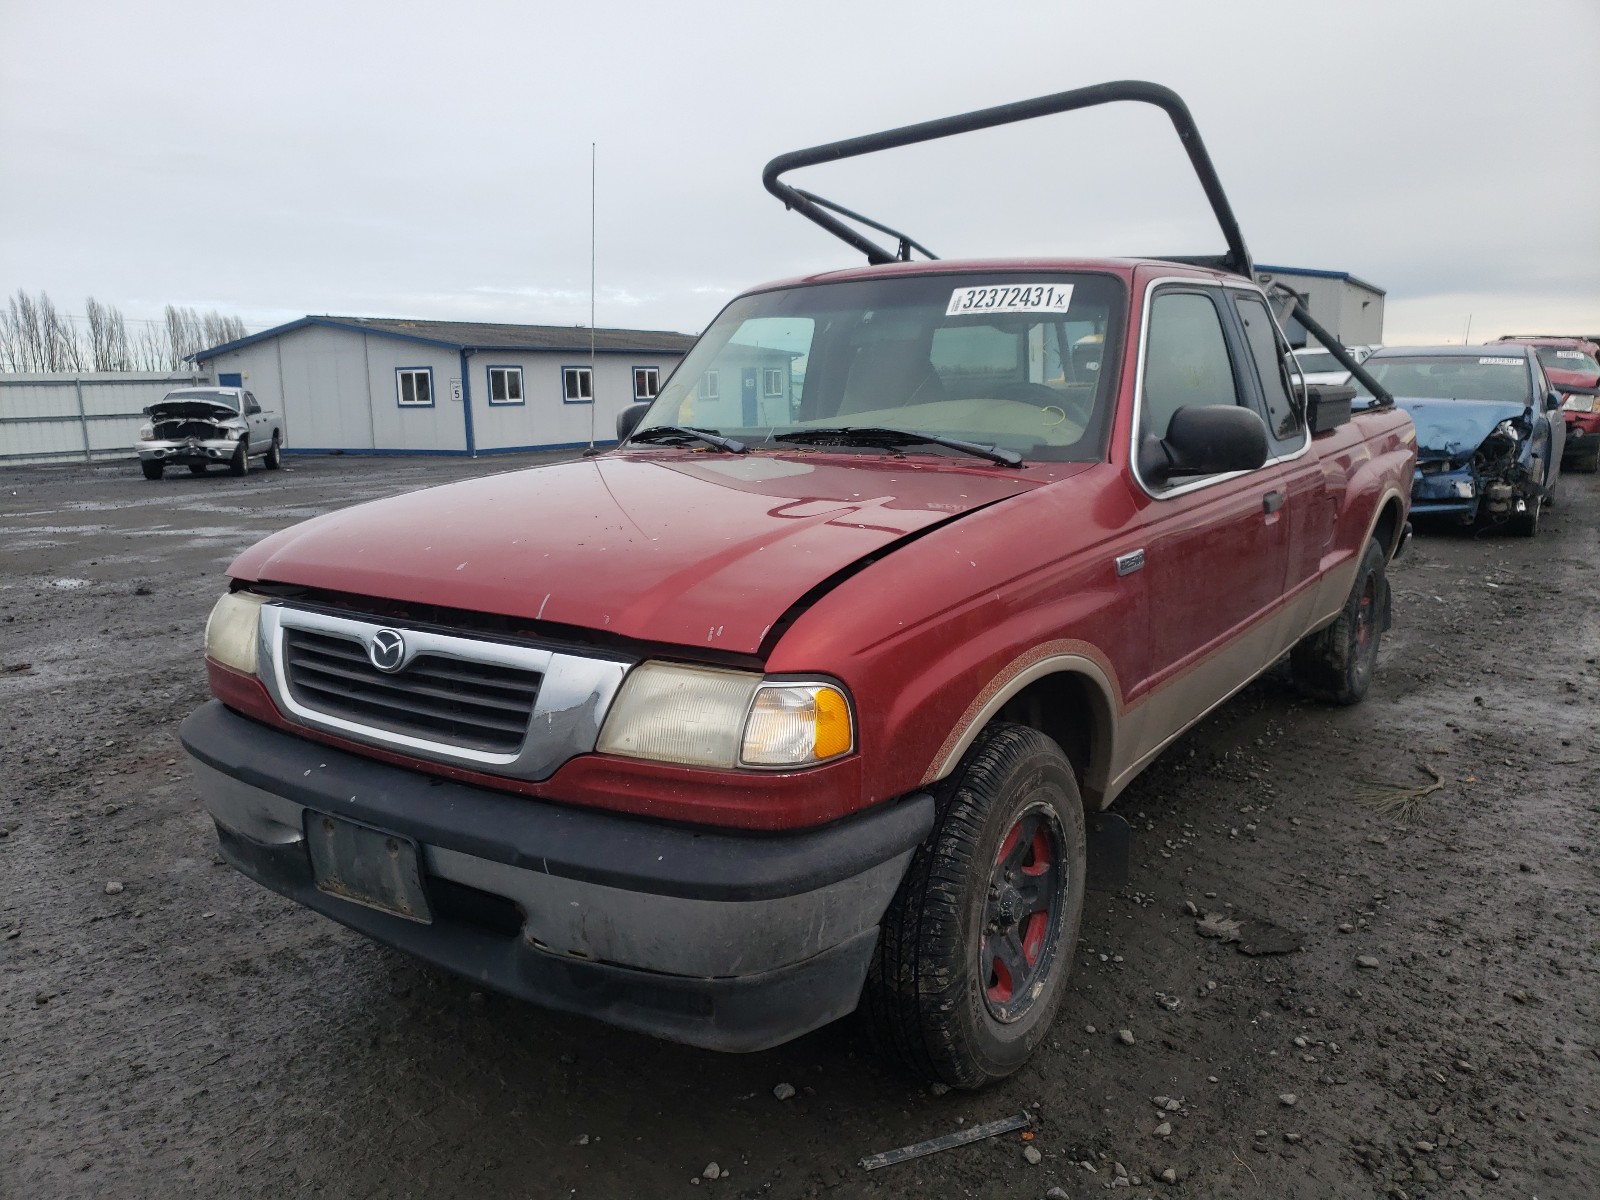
(1569, 353)
(1011, 298)
(1499, 362)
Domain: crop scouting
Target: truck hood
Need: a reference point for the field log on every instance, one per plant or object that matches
(1562, 380)
(684, 548)
(192, 410)
(1452, 428)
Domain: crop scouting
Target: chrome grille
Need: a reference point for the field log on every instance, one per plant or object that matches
(481, 706)
(507, 707)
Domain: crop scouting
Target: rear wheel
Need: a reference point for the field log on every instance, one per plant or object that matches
(240, 462)
(1335, 663)
(975, 948)
(274, 458)
(151, 468)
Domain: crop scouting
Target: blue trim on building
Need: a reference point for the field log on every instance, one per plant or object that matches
(488, 382)
(583, 367)
(200, 356)
(335, 452)
(1263, 268)
(305, 323)
(530, 449)
(432, 395)
(466, 403)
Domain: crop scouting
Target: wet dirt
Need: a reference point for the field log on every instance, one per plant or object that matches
(1438, 1031)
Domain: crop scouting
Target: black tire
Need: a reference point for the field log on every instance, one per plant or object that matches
(1526, 523)
(1335, 663)
(197, 468)
(935, 1001)
(274, 458)
(151, 468)
(240, 462)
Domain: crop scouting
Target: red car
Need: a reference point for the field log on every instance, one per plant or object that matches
(1571, 363)
(811, 694)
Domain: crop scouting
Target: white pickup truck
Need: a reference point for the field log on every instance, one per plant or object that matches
(198, 426)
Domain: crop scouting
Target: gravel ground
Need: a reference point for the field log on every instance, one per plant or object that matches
(168, 1028)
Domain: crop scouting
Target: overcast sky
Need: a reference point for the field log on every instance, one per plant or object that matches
(433, 160)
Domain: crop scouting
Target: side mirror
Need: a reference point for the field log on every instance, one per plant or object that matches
(1552, 401)
(628, 419)
(1207, 440)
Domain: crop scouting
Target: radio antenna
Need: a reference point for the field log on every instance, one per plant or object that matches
(593, 381)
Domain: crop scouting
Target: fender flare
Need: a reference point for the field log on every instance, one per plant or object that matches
(1066, 657)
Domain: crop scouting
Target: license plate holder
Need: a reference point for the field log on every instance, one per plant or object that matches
(367, 866)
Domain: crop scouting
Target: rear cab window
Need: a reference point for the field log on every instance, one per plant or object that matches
(1286, 426)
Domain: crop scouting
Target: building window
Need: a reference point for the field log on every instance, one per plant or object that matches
(710, 386)
(415, 386)
(646, 382)
(772, 381)
(577, 385)
(505, 385)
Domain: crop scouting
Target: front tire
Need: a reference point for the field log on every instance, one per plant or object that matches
(151, 468)
(240, 462)
(975, 947)
(1335, 663)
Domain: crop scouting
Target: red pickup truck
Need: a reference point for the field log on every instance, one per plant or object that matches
(811, 694)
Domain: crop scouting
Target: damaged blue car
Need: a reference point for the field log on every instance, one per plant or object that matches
(1489, 431)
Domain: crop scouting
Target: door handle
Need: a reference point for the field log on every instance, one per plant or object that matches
(1272, 501)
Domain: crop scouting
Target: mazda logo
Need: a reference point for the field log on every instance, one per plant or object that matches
(387, 650)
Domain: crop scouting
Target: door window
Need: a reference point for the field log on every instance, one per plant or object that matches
(1186, 360)
(1284, 422)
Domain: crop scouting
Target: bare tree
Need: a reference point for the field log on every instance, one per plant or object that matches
(36, 336)
(61, 349)
(24, 335)
(108, 337)
(149, 351)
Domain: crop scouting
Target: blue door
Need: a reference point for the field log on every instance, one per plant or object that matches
(227, 379)
(747, 396)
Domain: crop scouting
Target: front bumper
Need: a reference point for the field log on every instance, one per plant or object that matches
(190, 450)
(1583, 435)
(729, 941)
(1439, 493)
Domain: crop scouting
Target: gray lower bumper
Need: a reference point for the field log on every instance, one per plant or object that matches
(729, 941)
(210, 451)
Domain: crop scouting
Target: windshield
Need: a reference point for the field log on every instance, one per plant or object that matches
(204, 396)
(1568, 360)
(1317, 360)
(1502, 378)
(1012, 361)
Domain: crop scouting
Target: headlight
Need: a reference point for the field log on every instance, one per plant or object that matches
(147, 432)
(1583, 404)
(232, 631)
(706, 717)
(1509, 429)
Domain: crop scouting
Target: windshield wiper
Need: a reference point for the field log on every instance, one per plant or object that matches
(678, 434)
(845, 435)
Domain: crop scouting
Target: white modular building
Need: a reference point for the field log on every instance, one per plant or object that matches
(1349, 308)
(371, 385)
